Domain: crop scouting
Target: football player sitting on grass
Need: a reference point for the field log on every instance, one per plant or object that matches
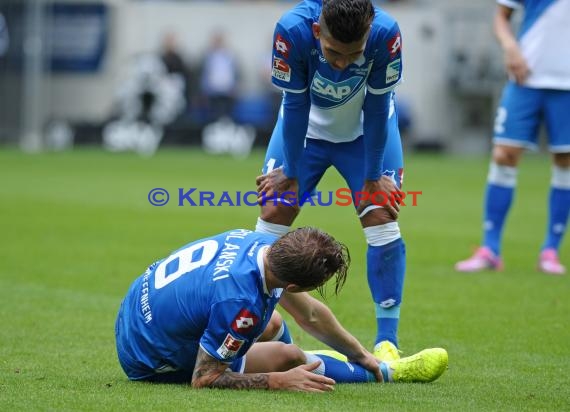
(196, 317)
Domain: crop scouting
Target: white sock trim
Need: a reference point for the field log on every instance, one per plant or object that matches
(505, 176)
(320, 370)
(271, 228)
(560, 177)
(382, 234)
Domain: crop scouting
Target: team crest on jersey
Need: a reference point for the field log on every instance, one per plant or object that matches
(362, 71)
(230, 347)
(394, 45)
(281, 70)
(244, 321)
(282, 46)
(332, 91)
(393, 71)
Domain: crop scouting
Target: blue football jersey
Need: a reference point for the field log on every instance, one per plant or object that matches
(210, 294)
(543, 38)
(337, 97)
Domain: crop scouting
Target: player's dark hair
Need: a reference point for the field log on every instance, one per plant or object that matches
(347, 20)
(309, 257)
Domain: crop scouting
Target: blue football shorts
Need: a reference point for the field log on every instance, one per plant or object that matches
(522, 111)
(348, 158)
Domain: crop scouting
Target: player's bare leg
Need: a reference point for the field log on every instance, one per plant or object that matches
(273, 357)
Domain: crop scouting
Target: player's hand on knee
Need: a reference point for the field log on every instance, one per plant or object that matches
(382, 192)
(303, 379)
(275, 183)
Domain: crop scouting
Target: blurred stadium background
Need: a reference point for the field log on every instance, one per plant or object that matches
(86, 78)
(70, 68)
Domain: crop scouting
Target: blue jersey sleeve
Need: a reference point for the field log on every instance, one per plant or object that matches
(385, 74)
(290, 73)
(386, 71)
(233, 327)
(376, 110)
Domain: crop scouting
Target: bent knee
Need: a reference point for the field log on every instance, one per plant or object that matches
(279, 214)
(376, 217)
(289, 356)
(506, 155)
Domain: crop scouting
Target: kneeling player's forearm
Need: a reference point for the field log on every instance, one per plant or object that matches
(326, 328)
(234, 380)
(211, 373)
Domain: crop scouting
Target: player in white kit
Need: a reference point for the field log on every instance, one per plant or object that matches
(538, 92)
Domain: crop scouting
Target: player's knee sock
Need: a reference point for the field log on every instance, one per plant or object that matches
(271, 228)
(501, 183)
(283, 334)
(341, 372)
(558, 208)
(386, 267)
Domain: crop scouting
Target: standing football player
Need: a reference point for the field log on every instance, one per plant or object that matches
(338, 62)
(538, 91)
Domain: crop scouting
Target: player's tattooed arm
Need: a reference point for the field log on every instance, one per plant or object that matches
(211, 373)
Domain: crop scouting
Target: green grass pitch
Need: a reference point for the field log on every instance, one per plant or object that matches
(77, 228)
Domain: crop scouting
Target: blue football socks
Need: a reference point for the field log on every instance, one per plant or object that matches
(386, 272)
(558, 210)
(498, 201)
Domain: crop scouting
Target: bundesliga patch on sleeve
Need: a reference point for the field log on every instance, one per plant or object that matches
(244, 321)
(393, 71)
(281, 70)
(230, 347)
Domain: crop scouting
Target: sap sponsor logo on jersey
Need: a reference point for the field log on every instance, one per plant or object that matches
(282, 46)
(230, 347)
(334, 91)
(281, 70)
(244, 321)
(394, 45)
(393, 71)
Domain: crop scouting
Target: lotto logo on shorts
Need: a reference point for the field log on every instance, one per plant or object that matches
(244, 321)
(281, 70)
(230, 347)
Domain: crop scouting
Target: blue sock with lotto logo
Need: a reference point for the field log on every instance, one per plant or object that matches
(501, 183)
(341, 372)
(386, 261)
(558, 208)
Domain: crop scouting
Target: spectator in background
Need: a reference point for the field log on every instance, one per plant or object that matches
(174, 62)
(538, 90)
(219, 76)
